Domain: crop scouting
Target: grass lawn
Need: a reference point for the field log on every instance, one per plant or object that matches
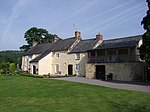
(28, 94)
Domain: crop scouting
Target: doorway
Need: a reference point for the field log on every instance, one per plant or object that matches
(70, 69)
(34, 69)
(148, 73)
(100, 72)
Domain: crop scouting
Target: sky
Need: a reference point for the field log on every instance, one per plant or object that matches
(111, 18)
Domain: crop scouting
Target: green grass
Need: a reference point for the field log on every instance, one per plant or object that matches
(28, 94)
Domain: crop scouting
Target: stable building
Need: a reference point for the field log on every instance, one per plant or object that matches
(118, 58)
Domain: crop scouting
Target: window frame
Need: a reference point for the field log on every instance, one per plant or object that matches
(57, 54)
(57, 68)
(77, 67)
(77, 56)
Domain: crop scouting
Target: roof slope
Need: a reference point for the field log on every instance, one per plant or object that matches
(65, 44)
(119, 43)
(84, 45)
(38, 49)
(41, 56)
(60, 45)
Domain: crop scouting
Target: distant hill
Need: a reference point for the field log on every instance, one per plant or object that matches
(11, 56)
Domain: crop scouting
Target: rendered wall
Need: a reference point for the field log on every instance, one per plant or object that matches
(45, 65)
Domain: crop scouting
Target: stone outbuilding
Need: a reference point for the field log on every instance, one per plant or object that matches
(116, 59)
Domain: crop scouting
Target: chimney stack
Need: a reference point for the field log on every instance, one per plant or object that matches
(99, 36)
(55, 39)
(34, 43)
(77, 34)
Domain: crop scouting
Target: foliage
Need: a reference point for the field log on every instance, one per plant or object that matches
(38, 35)
(9, 60)
(145, 47)
(26, 94)
(11, 56)
(4, 67)
(12, 67)
(24, 47)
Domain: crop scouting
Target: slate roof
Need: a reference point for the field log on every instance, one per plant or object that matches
(65, 44)
(41, 56)
(84, 45)
(38, 49)
(131, 41)
(46, 48)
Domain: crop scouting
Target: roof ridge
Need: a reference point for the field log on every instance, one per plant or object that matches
(89, 39)
(123, 38)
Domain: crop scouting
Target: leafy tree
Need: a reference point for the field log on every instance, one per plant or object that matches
(11, 56)
(145, 47)
(4, 67)
(38, 35)
(25, 47)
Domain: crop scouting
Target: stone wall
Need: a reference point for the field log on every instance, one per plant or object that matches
(66, 59)
(129, 71)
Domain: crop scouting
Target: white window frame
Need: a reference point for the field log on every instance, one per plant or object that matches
(77, 67)
(57, 55)
(77, 56)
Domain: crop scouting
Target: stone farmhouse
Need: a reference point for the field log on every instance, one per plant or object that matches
(91, 58)
(63, 57)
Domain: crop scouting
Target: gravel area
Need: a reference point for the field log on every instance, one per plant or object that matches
(135, 86)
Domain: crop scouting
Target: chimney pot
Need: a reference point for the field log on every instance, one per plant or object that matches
(34, 43)
(77, 34)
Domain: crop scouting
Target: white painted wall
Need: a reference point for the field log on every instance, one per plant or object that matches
(45, 65)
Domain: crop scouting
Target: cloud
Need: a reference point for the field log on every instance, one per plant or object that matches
(16, 11)
(102, 13)
(84, 8)
(105, 12)
(113, 20)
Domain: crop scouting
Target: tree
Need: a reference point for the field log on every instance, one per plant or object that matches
(145, 47)
(4, 67)
(38, 35)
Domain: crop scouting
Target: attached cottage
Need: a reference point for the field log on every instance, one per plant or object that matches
(64, 57)
(118, 58)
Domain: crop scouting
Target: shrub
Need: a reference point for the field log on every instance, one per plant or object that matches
(12, 67)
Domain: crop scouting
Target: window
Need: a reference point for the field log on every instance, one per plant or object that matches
(93, 54)
(57, 68)
(57, 54)
(77, 57)
(77, 67)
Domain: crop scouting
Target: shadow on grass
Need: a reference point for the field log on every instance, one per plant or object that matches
(130, 82)
(129, 107)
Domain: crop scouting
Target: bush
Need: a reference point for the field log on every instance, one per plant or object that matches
(4, 67)
(12, 67)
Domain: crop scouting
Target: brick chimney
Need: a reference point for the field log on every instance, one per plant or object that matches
(77, 34)
(55, 39)
(99, 36)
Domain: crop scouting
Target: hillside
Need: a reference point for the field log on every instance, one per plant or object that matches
(11, 56)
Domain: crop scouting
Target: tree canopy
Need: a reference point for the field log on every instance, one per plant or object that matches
(38, 35)
(145, 47)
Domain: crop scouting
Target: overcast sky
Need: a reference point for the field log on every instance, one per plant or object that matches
(112, 18)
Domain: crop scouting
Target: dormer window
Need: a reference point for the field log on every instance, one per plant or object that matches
(77, 56)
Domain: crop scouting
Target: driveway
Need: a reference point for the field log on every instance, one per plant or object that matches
(135, 86)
